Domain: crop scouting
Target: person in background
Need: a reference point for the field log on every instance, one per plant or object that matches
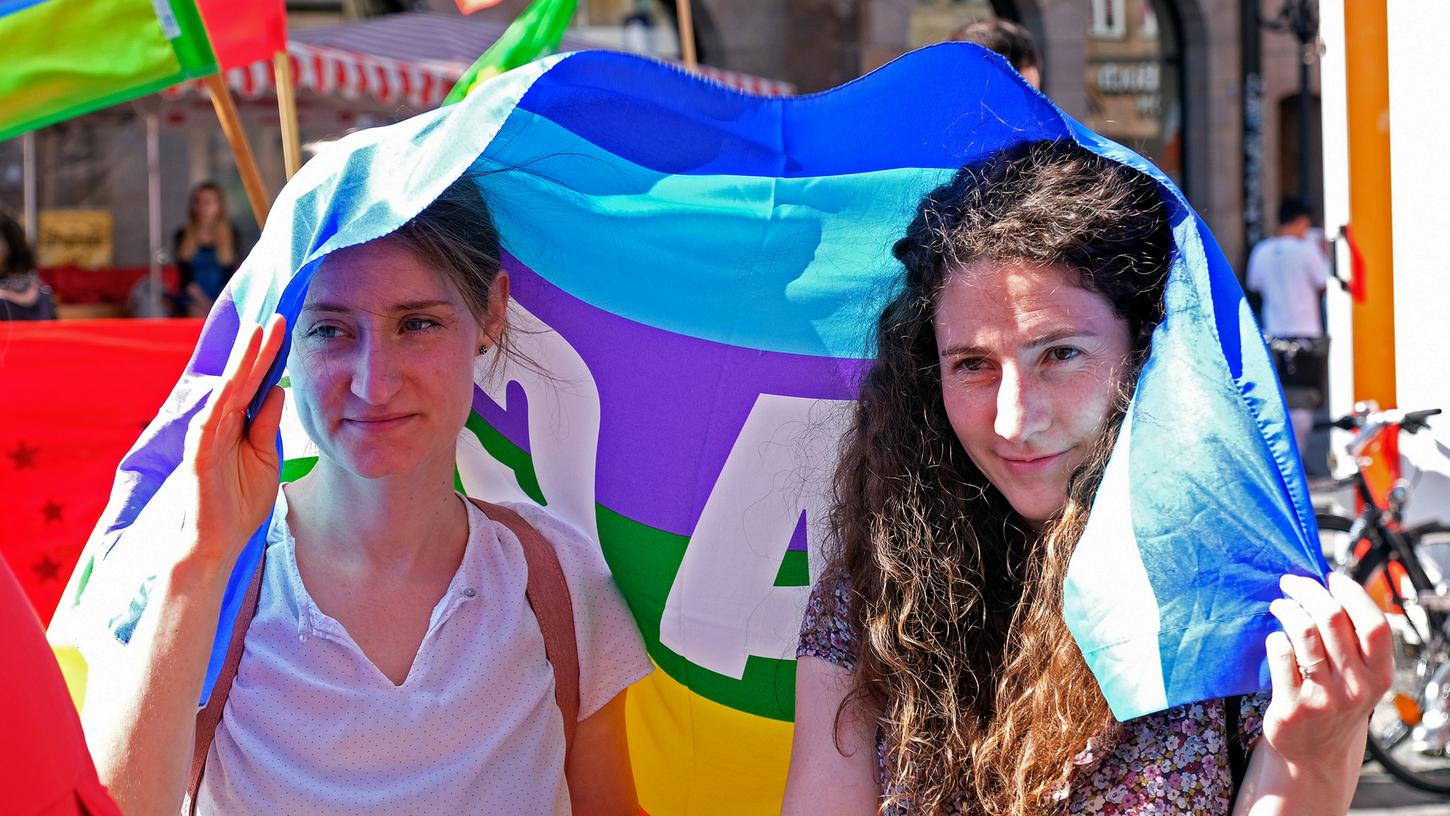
(1290, 271)
(22, 294)
(208, 250)
(1010, 40)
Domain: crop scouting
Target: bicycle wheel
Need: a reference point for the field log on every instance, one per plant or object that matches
(1409, 731)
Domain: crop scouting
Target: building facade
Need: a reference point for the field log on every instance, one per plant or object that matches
(1165, 77)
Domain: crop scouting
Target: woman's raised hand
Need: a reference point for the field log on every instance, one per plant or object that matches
(1330, 666)
(236, 465)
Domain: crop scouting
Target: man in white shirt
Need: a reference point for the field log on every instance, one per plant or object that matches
(1290, 272)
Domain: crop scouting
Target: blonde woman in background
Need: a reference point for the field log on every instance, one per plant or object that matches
(208, 250)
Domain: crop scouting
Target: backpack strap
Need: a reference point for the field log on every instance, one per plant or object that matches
(1238, 762)
(210, 717)
(548, 595)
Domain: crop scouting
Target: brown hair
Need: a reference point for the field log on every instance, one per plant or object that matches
(456, 234)
(16, 257)
(956, 603)
(222, 232)
(1005, 37)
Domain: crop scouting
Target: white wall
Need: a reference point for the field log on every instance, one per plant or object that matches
(1336, 202)
(1420, 187)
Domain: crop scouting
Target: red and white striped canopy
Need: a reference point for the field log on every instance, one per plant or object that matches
(412, 59)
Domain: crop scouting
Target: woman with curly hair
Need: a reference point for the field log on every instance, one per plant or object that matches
(936, 671)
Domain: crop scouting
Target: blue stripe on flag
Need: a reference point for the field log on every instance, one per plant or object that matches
(664, 119)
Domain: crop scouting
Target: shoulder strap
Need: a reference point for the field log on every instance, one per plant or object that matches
(548, 595)
(1238, 764)
(210, 717)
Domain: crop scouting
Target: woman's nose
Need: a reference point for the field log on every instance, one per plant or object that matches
(375, 377)
(1020, 409)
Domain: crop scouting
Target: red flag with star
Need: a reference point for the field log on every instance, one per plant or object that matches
(74, 395)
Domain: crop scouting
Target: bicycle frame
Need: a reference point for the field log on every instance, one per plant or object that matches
(1377, 527)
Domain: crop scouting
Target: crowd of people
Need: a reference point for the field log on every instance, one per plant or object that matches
(207, 250)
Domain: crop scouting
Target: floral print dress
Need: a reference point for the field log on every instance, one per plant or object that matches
(1172, 762)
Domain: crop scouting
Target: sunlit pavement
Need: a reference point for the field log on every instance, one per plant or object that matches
(1380, 793)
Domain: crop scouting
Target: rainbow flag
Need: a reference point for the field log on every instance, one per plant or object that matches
(64, 58)
(699, 272)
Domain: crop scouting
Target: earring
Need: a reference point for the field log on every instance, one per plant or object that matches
(483, 349)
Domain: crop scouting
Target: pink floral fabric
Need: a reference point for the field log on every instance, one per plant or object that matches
(1172, 762)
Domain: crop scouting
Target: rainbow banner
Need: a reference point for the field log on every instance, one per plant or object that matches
(699, 271)
(64, 58)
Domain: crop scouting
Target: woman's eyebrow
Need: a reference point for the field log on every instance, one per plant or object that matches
(418, 305)
(1045, 340)
(409, 306)
(1057, 336)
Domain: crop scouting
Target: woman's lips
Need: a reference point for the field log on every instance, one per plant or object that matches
(1032, 466)
(378, 424)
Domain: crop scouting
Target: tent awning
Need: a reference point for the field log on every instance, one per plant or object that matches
(411, 58)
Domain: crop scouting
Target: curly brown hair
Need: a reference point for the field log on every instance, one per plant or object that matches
(966, 662)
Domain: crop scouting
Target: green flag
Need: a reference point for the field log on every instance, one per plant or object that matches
(536, 33)
(64, 58)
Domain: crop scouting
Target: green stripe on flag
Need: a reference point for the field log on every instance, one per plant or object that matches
(535, 34)
(65, 58)
(644, 561)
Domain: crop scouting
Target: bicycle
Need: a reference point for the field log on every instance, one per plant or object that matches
(1410, 730)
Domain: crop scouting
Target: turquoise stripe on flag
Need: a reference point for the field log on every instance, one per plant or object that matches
(775, 264)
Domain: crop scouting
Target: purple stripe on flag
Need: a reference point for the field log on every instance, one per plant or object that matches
(159, 450)
(798, 539)
(512, 420)
(671, 406)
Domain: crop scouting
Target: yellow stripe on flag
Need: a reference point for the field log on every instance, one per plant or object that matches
(694, 757)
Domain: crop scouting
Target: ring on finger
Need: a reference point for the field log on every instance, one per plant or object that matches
(1307, 670)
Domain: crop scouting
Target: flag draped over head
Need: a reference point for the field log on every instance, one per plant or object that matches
(697, 272)
(64, 58)
(536, 33)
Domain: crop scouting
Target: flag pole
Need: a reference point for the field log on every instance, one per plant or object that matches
(287, 108)
(226, 112)
(153, 210)
(687, 33)
(32, 219)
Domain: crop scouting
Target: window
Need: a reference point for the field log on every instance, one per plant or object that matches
(1109, 20)
(1134, 80)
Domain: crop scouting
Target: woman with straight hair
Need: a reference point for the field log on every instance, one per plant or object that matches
(936, 671)
(398, 658)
